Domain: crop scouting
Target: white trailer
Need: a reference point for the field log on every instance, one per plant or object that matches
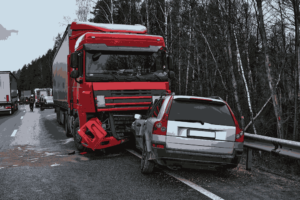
(41, 91)
(8, 92)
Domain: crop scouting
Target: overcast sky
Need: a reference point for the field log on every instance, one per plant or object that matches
(27, 29)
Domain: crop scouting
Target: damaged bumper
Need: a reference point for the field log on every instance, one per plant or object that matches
(93, 136)
(195, 160)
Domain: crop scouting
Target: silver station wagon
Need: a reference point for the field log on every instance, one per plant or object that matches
(188, 132)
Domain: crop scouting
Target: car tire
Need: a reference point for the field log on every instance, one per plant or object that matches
(147, 166)
(77, 138)
(67, 130)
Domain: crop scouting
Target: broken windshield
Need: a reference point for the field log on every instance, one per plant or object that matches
(125, 66)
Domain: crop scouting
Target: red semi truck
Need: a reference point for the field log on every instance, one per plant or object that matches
(103, 74)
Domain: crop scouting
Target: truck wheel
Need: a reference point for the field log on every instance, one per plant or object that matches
(147, 166)
(58, 115)
(67, 130)
(77, 138)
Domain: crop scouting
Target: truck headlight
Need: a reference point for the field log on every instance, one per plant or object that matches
(100, 101)
(154, 98)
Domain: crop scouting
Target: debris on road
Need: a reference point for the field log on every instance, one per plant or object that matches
(82, 153)
(73, 152)
(54, 165)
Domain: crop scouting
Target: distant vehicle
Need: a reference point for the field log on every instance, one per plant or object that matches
(41, 91)
(188, 132)
(8, 92)
(95, 85)
(46, 102)
(25, 95)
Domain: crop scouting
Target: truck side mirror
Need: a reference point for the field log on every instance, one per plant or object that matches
(74, 60)
(170, 63)
(171, 75)
(74, 74)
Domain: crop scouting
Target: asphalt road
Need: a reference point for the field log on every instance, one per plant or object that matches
(34, 164)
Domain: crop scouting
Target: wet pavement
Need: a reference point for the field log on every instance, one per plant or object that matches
(37, 161)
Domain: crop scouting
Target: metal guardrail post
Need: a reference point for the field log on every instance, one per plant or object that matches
(249, 159)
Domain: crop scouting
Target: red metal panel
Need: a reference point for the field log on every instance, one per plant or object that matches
(122, 109)
(120, 104)
(131, 86)
(94, 125)
(134, 97)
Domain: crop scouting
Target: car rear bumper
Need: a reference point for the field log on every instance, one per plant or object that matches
(186, 159)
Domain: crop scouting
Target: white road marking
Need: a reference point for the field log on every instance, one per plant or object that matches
(185, 181)
(22, 117)
(14, 133)
(68, 140)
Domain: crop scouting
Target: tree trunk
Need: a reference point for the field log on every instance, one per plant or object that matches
(188, 56)
(179, 50)
(297, 46)
(267, 66)
(112, 11)
(245, 81)
(147, 15)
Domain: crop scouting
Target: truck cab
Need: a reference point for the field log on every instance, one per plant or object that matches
(103, 75)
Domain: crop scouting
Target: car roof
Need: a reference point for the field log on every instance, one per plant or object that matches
(214, 99)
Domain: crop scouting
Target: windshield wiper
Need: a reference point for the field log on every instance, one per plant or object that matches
(187, 120)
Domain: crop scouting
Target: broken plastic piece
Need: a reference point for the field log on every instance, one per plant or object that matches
(73, 152)
(95, 127)
(82, 153)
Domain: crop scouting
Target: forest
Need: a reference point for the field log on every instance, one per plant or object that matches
(245, 51)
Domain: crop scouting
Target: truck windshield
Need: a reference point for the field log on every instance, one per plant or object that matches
(124, 66)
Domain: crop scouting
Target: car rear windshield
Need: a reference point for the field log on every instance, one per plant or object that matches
(199, 110)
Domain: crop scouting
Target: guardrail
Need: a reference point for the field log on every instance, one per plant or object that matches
(272, 145)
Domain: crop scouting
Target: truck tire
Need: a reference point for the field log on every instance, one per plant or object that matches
(147, 166)
(58, 115)
(77, 138)
(67, 130)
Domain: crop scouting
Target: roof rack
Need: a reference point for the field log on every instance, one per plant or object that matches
(216, 97)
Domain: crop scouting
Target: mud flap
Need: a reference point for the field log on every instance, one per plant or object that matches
(95, 126)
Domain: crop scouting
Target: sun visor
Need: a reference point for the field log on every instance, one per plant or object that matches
(104, 47)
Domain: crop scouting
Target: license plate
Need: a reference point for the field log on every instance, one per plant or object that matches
(204, 134)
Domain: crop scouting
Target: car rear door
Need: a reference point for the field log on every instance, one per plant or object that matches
(153, 116)
(200, 126)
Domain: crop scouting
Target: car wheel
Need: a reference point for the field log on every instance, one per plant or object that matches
(67, 130)
(77, 138)
(147, 166)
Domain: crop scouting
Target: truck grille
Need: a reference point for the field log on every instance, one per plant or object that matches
(123, 124)
(127, 98)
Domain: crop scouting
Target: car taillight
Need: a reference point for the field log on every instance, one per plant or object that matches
(7, 98)
(239, 135)
(160, 127)
(7, 107)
